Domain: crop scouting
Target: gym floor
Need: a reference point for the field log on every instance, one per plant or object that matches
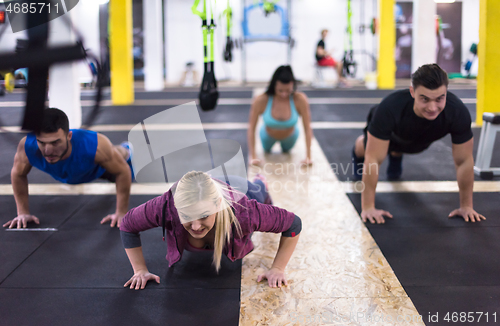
(70, 270)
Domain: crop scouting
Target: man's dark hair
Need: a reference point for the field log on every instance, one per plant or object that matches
(53, 120)
(283, 74)
(430, 76)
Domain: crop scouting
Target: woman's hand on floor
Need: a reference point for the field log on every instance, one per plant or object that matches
(140, 279)
(115, 219)
(275, 277)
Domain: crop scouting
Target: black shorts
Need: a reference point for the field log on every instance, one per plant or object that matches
(395, 145)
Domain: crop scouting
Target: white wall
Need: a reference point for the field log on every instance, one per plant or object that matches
(308, 18)
(64, 87)
(470, 30)
(184, 38)
(8, 39)
(85, 19)
(423, 33)
(307, 22)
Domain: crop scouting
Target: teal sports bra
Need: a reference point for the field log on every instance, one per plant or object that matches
(271, 122)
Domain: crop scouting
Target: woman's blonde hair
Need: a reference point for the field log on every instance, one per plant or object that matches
(197, 186)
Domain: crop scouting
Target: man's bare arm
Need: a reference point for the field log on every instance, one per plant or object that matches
(109, 158)
(464, 165)
(375, 153)
(19, 180)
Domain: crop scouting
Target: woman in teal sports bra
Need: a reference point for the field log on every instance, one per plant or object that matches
(280, 107)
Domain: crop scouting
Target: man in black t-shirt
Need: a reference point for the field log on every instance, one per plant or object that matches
(325, 59)
(408, 121)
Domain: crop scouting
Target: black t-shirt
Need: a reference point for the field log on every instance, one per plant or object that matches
(394, 119)
(321, 43)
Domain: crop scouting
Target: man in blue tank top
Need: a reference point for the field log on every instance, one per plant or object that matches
(71, 156)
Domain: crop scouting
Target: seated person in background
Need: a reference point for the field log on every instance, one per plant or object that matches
(280, 106)
(200, 213)
(409, 121)
(70, 156)
(325, 59)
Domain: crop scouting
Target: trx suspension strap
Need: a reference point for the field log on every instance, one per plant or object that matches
(228, 55)
(349, 65)
(208, 93)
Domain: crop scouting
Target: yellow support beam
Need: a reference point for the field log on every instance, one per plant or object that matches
(122, 62)
(488, 51)
(386, 64)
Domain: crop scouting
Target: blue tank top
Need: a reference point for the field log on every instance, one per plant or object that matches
(278, 124)
(79, 167)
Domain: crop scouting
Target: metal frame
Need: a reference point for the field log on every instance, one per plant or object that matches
(252, 40)
(483, 167)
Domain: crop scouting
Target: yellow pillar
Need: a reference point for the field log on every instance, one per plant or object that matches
(386, 64)
(122, 62)
(488, 51)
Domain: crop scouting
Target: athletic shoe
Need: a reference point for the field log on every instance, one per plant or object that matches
(358, 166)
(129, 148)
(395, 167)
(268, 200)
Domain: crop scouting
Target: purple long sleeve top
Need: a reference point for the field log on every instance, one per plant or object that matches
(252, 216)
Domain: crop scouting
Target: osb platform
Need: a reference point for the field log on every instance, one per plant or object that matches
(337, 274)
